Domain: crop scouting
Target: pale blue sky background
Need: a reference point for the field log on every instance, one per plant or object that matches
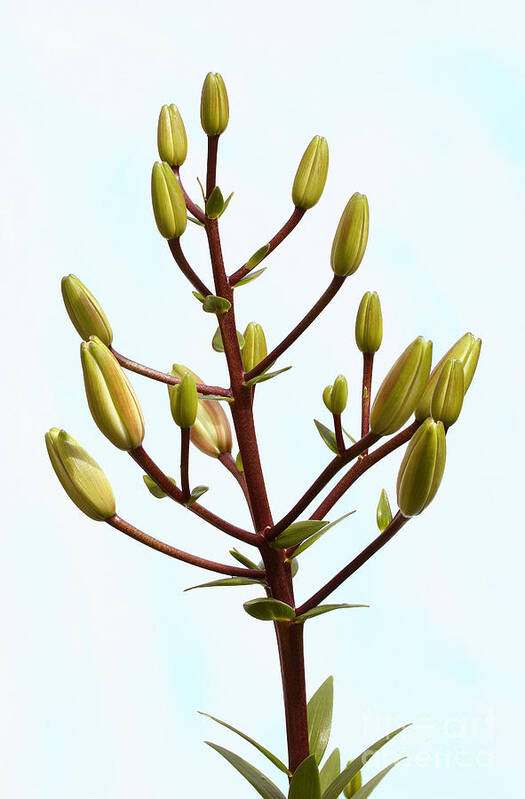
(105, 659)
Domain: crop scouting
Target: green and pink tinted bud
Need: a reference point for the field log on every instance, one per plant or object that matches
(351, 237)
(169, 206)
(172, 141)
(311, 174)
(111, 399)
(85, 312)
(467, 350)
(422, 468)
(184, 402)
(211, 432)
(215, 110)
(254, 349)
(81, 477)
(401, 389)
(335, 397)
(447, 399)
(369, 324)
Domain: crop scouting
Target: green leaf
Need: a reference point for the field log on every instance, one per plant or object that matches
(202, 189)
(328, 436)
(331, 769)
(265, 376)
(197, 492)
(268, 609)
(256, 778)
(320, 609)
(240, 558)
(271, 757)
(227, 581)
(320, 718)
(217, 342)
(294, 566)
(199, 296)
(347, 434)
(335, 788)
(297, 532)
(257, 257)
(214, 204)
(305, 782)
(195, 221)
(153, 488)
(367, 789)
(317, 536)
(384, 511)
(213, 304)
(226, 204)
(251, 276)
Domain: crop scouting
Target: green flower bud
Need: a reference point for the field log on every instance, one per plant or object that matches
(337, 397)
(183, 402)
(466, 349)
(168, 201)
(254, 349)
(311, 174)
(422, 468)
(211, 432)
(369, 324)
(215, 110)
(171, 136)
(110, 397)
(354, 784)
(447, 398)
(384, 511)
(84, 311)
(82, 478)
(350, 237)
(401, 389)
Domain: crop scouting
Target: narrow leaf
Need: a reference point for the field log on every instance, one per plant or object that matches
(367, 789)
(320, 718)
(320, 609)
(199, 296)
(202, 189)
(328, 436)
(240, 558)
(268, 609)
(226, 204)
(298, 532)
(153, 488)
(217, 342)
(197, 492)
(227, 581)
(330, 770)
(305, 782)
(215, 398)
(271, 757)
(265, 376)
(256, 778)
(335, 788)
(251, 276)
(384, 511)
(317, 536)
(195, 221)
(213, 304)
(257, 257)
(347, 434)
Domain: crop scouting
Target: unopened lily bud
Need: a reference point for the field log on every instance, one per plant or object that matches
(215, 110)
(401, 389)
(447, 399)
(311, 174)
(84, 311)
(168, 201)
(422, 468)
(327, 397)
(466, 349)
(82, 478)
(171, 136)
(384, 511)
(211, 432)
(110, 397)
(254, 349)
(369, 324)
(351, 236)
(354, 785)
(183, 402)
(335, 397)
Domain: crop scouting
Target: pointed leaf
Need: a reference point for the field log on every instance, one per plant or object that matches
(347, 434)
(251, 276)
(335, 788)
(268, 609)
(214, 204)
(241, 558)
(330, 770)
(202, 189)
(215, 398)
(298, 532)
(328, 436)
(217, 342)
(153, 488)
(367, 789)
(226, 582)
(271, 757)
(213, 304)
(265, 376)
(320, 609)
(197, 492)
(257, 257)
(256, 778)
(305, 782)
(384, 511)
(195, 221)
(199, 296)
(226, 204)
(317, 536)
(320, 718)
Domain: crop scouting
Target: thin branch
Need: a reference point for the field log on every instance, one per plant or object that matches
(165, 377)
(395, 525)
(211, 169)
(162, 480)
(184, 462)
(185, 268)
(229, 463)
(338, 427)
(368, 363)
(194, 560)
(310, 317)
(190, 205)
(279, 237)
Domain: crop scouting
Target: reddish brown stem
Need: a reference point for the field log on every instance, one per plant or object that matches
(338, 427)
(185, 268)
(185, 462)
(165, 377)
(395, 525)
(229, 463)
(190, 205)
(194, 560)
(211, 171)
(305, 323)
(368, 363)
(279, 237)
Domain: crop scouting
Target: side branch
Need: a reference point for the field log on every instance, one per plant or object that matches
(279, 237)
(368, 363)
(395, 525)
(185, 268)
(310, 317)
(165, 377)
(194, 560)
(190, 205)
